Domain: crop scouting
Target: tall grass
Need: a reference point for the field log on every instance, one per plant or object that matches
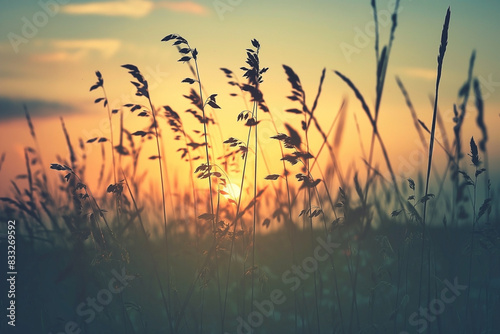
(211, 271)
(142, 88)
(440, 59)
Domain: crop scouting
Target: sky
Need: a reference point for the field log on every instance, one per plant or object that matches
(50, 50)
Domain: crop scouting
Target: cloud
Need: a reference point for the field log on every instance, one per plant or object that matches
(76, 50)
(13, 107)
(184, 7)
(134, 8)
(420, 73)
(57, 57)
(128, 8)
(107, 47)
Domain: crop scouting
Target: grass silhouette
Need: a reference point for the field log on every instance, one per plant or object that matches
(311, 247)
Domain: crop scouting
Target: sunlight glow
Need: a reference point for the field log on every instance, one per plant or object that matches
(231, 191)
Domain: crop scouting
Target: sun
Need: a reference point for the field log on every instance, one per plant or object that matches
(231, 191)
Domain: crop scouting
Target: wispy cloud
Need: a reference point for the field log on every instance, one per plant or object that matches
(57, 57)
(189, 7)
(419, 72)
(13, 107)
(76, 50)
(128, 8)
(134, 8)
(107, 47)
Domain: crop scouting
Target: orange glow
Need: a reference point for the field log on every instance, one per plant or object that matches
(43, 73)
(231, 191)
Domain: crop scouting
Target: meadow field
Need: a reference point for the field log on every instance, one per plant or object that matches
(270, 231)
